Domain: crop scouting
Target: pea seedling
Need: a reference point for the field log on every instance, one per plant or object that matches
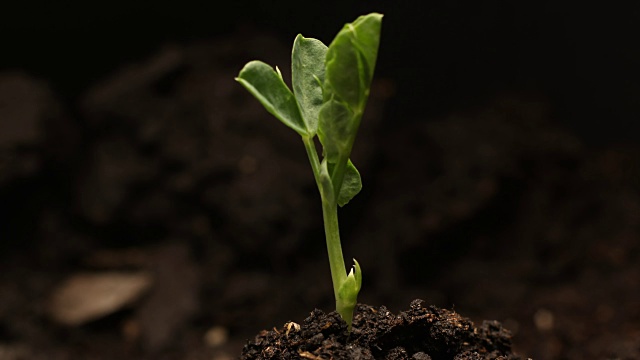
(330, 91)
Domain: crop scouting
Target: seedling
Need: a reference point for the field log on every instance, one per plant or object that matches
(330, 91)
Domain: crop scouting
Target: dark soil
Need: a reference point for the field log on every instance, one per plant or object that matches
(421, 333)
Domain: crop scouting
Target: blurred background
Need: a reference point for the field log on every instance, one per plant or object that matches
(499, 157)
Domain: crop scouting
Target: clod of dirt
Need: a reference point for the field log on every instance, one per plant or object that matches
(419, 333)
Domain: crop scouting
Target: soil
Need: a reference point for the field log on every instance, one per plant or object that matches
(421, 333)
(165, 169)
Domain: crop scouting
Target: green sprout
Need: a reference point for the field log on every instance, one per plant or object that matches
(330, 91)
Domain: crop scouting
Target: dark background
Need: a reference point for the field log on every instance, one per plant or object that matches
(444, 55)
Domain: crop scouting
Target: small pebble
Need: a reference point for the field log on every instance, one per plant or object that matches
(216, 336)
(89, 296)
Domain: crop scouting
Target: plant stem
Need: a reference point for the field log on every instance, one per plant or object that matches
(331, 229)
(330, 217)
(312, 154)
(334, 248)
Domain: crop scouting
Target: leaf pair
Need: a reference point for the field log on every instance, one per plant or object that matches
(330, 91)
(298, 109)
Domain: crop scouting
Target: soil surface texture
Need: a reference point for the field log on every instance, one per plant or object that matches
(421, 333)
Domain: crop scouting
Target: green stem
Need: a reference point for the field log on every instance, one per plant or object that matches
(334, 248)
(345, 288)
(330, 217)
(312, 154)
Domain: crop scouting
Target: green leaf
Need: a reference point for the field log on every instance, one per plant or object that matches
(366, 31)
(335, 129)
(307, 74)
(349, 66)
(269, 88)
(342, 74)
(351, 60)
(351, 185)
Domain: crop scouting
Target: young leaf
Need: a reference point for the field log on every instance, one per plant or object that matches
(351, 60)
(366, 32)
(269, 88)
(342, 73)
(349, 67)
(335, 129)
(307, 74)
(351, 185)
(347, 296)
